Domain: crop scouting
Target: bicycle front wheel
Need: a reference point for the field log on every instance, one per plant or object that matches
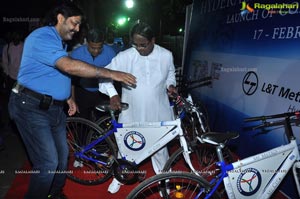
(204, 160)
(172, 185)
(85, 168)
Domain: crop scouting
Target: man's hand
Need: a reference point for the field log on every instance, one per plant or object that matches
(72, 107)
(126, 78)
(172, 90)
(115, 102)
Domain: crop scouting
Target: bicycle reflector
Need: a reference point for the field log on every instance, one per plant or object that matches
(178, 193)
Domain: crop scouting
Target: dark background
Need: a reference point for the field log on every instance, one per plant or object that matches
(165, 16)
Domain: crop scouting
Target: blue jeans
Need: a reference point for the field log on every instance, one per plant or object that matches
(44, 136)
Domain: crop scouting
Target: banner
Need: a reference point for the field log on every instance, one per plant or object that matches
(251, 49)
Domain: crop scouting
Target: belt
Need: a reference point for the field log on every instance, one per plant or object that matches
(37, 95)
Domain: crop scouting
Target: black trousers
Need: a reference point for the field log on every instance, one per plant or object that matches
(86, 102)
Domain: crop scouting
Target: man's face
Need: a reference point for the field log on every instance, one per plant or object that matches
(142, 44)
(95, 48)
(67, 27)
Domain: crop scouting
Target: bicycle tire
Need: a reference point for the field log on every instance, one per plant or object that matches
(172, 185)
(81, 132)
(204, 164)
(104, 122)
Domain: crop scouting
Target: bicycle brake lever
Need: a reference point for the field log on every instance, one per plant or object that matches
(105, 107)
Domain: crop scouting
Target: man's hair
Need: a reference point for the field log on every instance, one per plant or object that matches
(95, 35)
(67, 9)
(143, 29)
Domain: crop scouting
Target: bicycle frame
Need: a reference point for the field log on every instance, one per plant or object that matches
(258, 176)
(149, 137)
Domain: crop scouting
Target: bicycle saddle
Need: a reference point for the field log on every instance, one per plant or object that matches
(105, 107)
(218, 138)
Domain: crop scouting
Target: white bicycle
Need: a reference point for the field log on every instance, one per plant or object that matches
(257, 176)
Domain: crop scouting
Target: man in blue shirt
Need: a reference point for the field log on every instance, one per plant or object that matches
(110, 41)
(85, 90)
(36, 102)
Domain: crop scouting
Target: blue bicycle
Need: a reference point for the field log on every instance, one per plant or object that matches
(95, 146)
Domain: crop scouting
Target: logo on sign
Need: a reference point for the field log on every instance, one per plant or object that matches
(249, 181)
(134, 140)
(250, 83)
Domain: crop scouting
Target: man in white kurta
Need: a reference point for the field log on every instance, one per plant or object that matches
(148, 101)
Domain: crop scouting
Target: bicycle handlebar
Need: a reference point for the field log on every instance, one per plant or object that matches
(180, 101)
(105, 106)
(281, 115)
(269, 124)
(289, 119)
(186, 86)
(199, 81)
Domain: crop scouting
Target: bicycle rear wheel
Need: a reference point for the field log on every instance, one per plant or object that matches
(104, 122)
(172, 185)
(81, 132)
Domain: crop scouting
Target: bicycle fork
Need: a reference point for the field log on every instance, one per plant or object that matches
(186, 153)
(296, 172)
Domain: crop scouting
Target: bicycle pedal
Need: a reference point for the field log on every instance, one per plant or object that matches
(142, 176)
(105, 154)
(77, 164)
(110, 161)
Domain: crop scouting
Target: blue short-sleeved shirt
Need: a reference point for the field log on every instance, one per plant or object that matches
(104, 58)
(42, 48)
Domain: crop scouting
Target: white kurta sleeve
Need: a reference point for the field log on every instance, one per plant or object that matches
(107, 88)
(171, 80)
(106, 85)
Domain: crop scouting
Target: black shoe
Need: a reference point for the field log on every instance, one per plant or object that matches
(58, 196)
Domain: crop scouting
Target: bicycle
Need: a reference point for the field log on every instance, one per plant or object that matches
(257, 176)
(204, 154)
(92, 158)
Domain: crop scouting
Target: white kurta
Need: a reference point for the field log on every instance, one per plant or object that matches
(148, 100)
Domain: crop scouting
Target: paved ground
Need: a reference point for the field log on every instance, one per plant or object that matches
(12, 152)
(12, 158)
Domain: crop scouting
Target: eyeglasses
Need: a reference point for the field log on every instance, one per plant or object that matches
(140, 46)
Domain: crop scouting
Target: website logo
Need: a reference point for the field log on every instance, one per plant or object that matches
(246, 8)
(280, 8)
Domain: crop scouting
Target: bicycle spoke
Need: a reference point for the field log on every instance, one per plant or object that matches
(84, 167)
(171, 185)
